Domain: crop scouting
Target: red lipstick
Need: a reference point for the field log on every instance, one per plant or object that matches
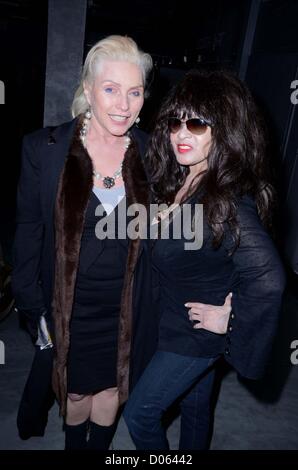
(184, 148)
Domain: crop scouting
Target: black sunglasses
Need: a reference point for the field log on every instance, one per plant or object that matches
(195, 125)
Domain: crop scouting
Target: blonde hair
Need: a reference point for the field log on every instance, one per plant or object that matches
(118, 48)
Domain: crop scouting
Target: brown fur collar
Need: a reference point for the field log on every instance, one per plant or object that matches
(74, 190)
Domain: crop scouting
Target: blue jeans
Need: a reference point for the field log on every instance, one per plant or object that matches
(168, 377)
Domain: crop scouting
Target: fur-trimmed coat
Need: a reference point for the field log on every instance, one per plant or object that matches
(55, 185)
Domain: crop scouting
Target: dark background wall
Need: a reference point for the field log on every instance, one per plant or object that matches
(44, 42)
(23, 42)
(272, 67)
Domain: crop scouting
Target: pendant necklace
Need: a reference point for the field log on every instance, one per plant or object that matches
(108, 181)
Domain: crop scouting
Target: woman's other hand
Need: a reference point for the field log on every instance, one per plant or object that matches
(213, 318)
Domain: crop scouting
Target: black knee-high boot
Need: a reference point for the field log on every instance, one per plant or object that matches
(76, 436)
(100, 437)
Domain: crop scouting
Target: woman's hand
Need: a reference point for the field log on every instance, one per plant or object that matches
(211, 317)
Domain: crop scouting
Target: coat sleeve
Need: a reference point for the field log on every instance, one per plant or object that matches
(145, 314)
(257, 298)
(29, 235)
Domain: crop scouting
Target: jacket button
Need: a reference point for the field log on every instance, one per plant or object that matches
(232, 316)
(230, 328)
(227, 351)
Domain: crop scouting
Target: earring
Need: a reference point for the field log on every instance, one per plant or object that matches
(88, 113)
(137, 120)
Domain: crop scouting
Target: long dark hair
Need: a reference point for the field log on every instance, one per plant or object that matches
(237, 163)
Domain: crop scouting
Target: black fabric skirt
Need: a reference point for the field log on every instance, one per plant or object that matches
(92, 357)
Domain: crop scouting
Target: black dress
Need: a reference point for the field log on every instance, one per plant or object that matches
(92, 355)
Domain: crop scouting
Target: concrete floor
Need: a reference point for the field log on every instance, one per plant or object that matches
(248, 416)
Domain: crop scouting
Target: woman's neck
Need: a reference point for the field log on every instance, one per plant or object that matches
(101, 137)
(190, 185)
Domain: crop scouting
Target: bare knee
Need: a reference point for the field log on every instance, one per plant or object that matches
(76, 396)
(105, 405)
(107, 398)
(78, 408)
(108, 394)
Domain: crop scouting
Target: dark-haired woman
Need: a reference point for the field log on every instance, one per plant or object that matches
(208, 148)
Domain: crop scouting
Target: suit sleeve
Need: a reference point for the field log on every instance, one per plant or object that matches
(29, 235)
(257, 298)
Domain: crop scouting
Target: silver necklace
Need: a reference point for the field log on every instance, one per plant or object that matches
(108, 181)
